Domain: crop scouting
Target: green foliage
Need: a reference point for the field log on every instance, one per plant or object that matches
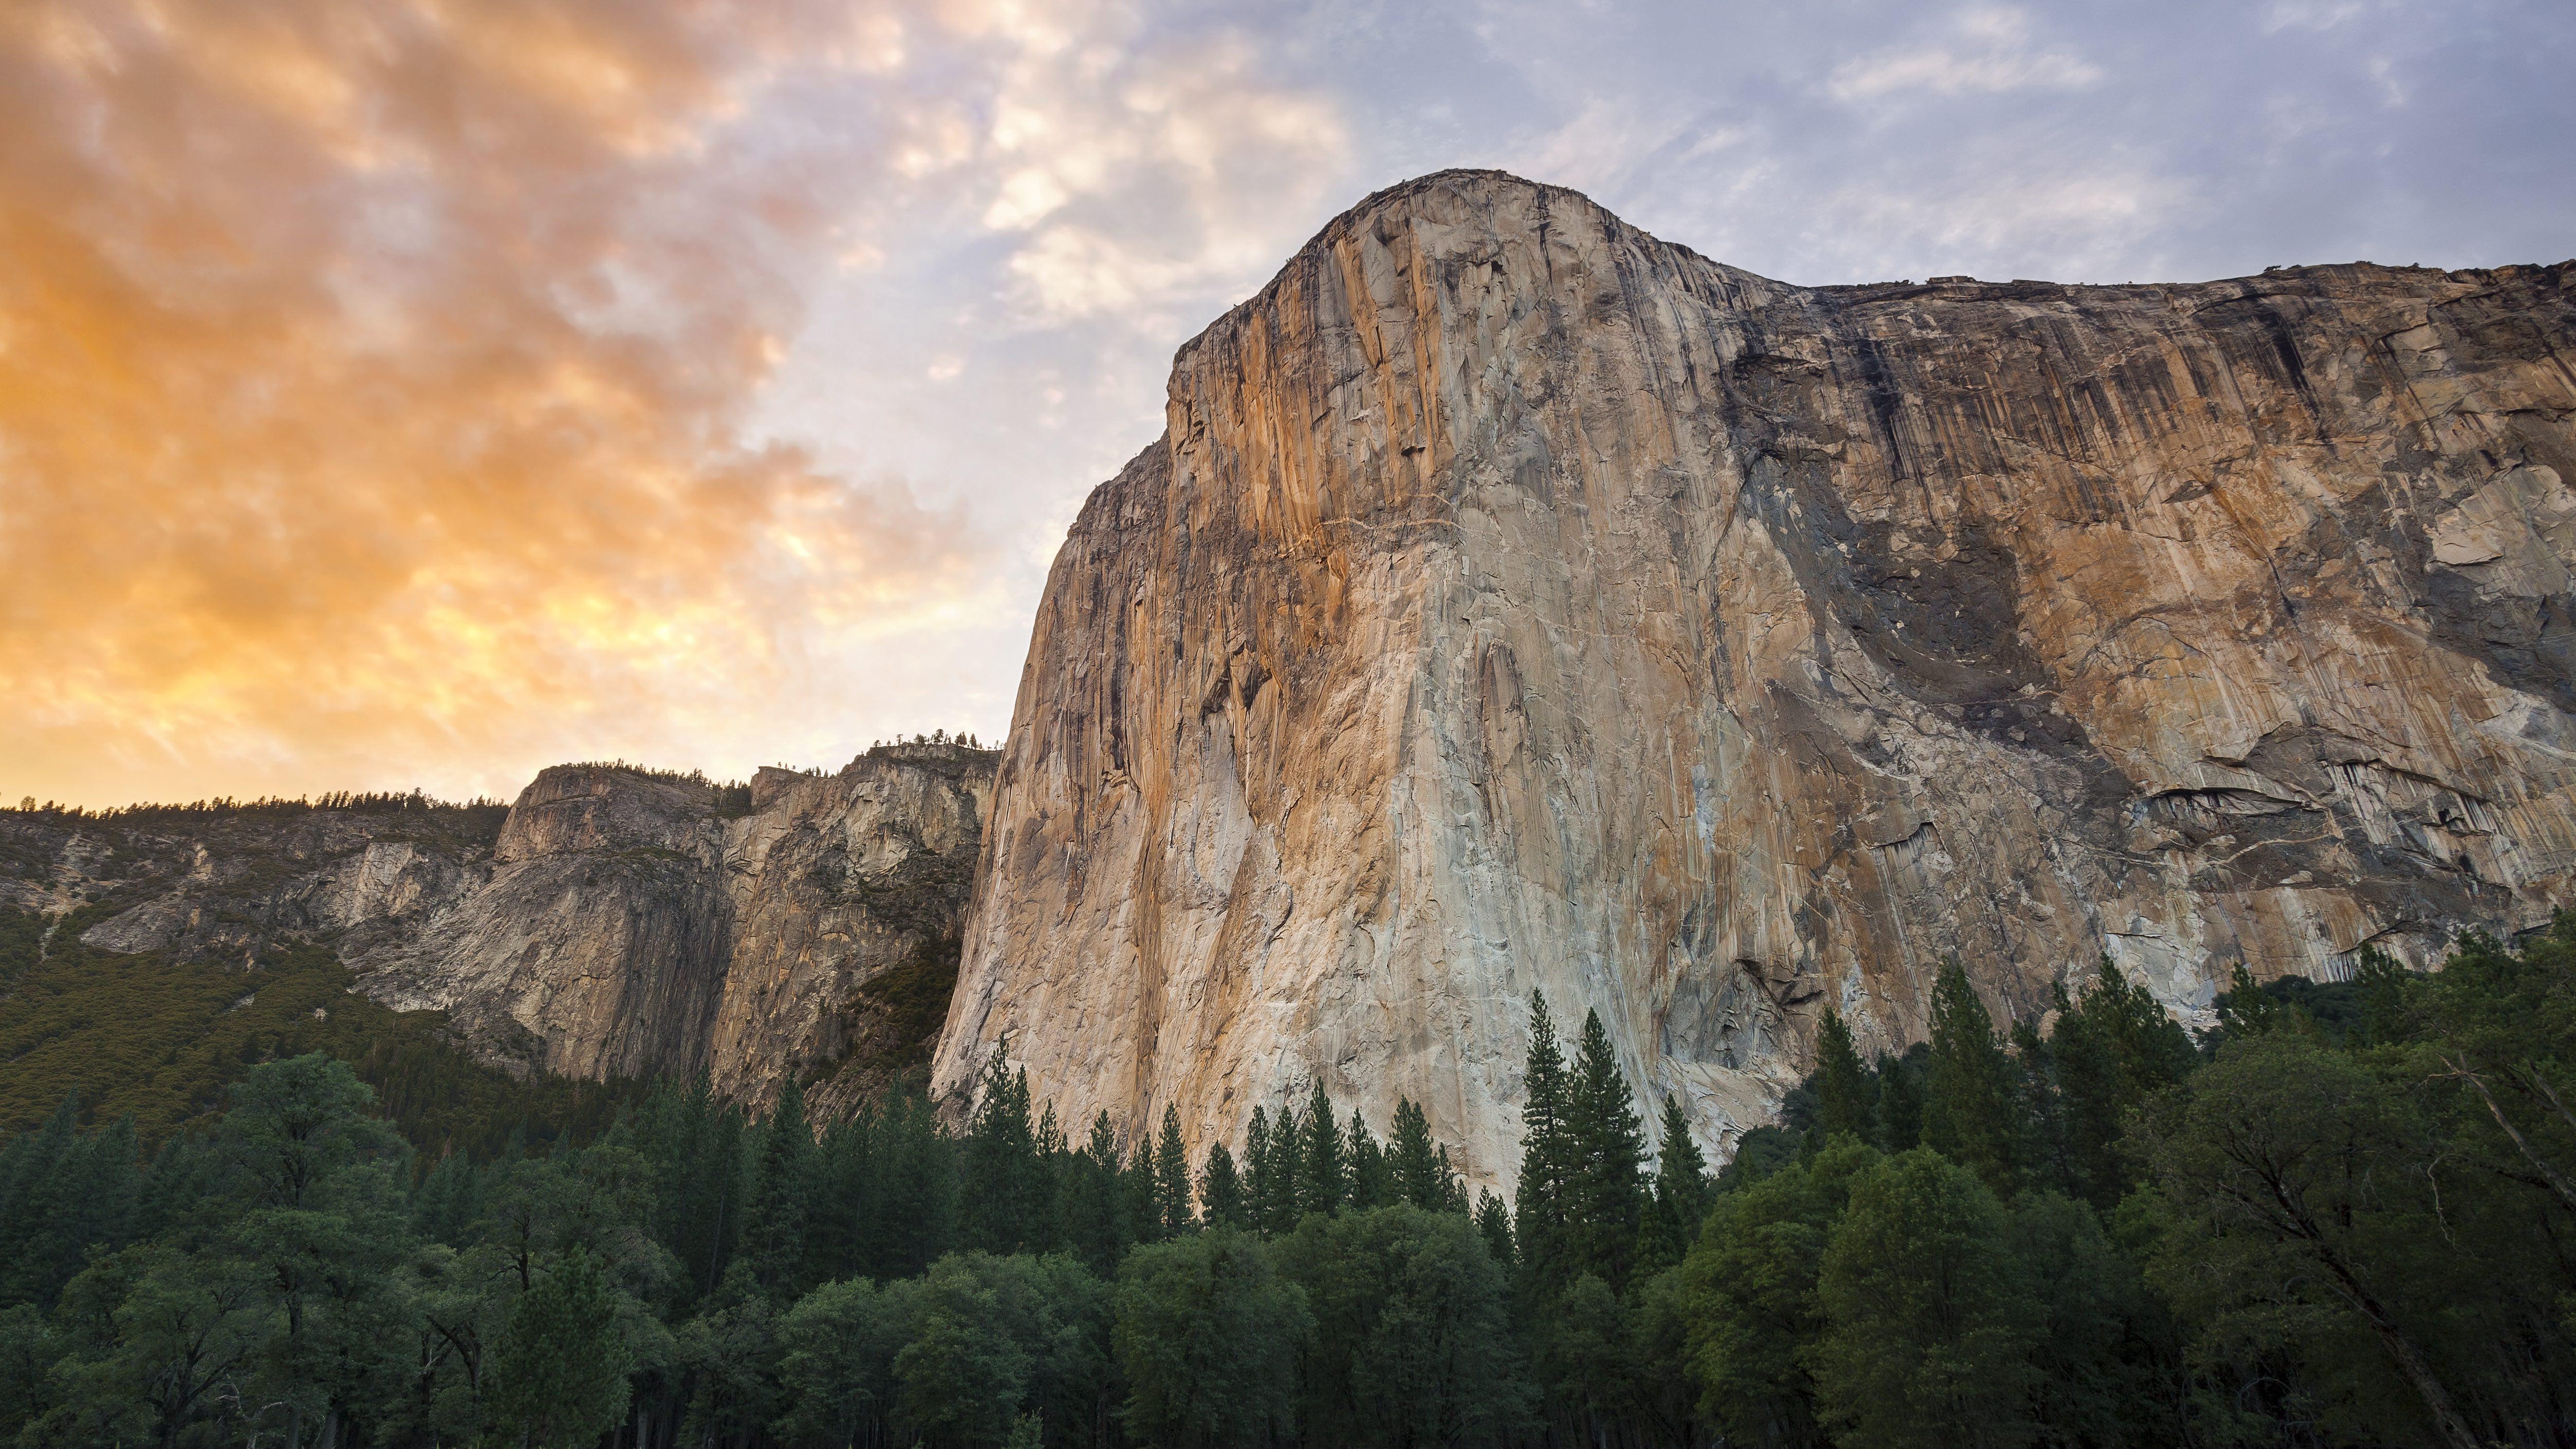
(1208, 1336)
(135, 1036)
(559, 1372)
(1749, 1295)
(1845, 1099)
(1970, 1112)
(1929, 1317)
(2347, 1224)
(1412, 1341)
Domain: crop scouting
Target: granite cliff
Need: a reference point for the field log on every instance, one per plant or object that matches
(1518, 602)
(617, 922)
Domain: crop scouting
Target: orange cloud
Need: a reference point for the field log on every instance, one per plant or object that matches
(372, 383)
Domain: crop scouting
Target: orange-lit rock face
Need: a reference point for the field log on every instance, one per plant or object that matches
(1519, 602)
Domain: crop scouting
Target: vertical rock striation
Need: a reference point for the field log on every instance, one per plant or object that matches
(1517, 602)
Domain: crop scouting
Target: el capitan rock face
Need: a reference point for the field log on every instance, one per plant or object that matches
(1516, 601)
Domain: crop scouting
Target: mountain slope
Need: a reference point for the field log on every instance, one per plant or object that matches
(1516, 601)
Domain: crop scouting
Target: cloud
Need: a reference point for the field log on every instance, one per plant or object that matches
(371, 382)
(1144, 175)
(1988, 53)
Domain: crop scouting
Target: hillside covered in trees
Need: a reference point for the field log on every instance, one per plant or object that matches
(2346, 1219)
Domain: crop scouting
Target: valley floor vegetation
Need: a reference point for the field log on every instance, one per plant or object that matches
(2347, 1218)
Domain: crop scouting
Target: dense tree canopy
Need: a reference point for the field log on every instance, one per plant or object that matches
(2341, 1217)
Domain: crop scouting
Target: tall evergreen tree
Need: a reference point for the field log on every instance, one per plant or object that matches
(1323, 1168)
(1221, 1195)
(1283, 1191)
(1421, 1176)
(1140, 1192)
(1091, 1210)
(774, 1222)
(2111, 1051)
(1494, 1225)
(1844, 1101)
(1551, 1157)
(1372, 1181)
(1971, 1110)
(1172, 1178)
(1256, 1172)
(1001, 1173)
(1683, 1191)
(1609, 1185)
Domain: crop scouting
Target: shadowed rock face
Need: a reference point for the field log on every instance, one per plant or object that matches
(630, 927)
(1516, 601)
(621, 923)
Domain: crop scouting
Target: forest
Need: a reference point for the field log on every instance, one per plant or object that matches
(2347, 1216)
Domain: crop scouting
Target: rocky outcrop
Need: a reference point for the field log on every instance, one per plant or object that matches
(618, 922)
(630, 926)
(1518, 602)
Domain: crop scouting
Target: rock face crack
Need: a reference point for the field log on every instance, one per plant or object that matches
(1543, 535)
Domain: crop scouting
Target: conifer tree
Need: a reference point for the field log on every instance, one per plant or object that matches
(1494, 1225)
(1971, 1110)
(843, 1197)
(1372, 1181)
(1453, 1194)
(1900, 1099)
(1421, 1174)
(1323, 1170)
(1283, 1197)
(1844, 1100)
(1221, 1193)
(1683, 1191)
(1609, 1185)
(1256, 1173)
(1001, 1171)
(1172, 1178)
(1140, 1193)
(774, 1222)
(1091, 1207)
(1550, 1157)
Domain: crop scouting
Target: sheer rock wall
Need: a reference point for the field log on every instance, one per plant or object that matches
(1516, 601)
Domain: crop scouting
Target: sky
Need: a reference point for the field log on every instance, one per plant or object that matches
(420, 392)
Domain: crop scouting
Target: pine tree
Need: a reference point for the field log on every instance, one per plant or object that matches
(1550, 1157)
(1844, 1099)
(774, 1222)
(1256, 1174)
(1172, 1178)
(1283, 1197)
(1453, 1195)
(1971, 1111)
(1323, 1172)
(1683, 1191)
(1001, 1170)
(1221, 1192)
(1372, 1181)
(1494, 1225)
(1140, 1193)
(1609, 1185)
(1421, 1174)
(1091, 1210)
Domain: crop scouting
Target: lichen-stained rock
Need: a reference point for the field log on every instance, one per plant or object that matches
(1518, 602)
